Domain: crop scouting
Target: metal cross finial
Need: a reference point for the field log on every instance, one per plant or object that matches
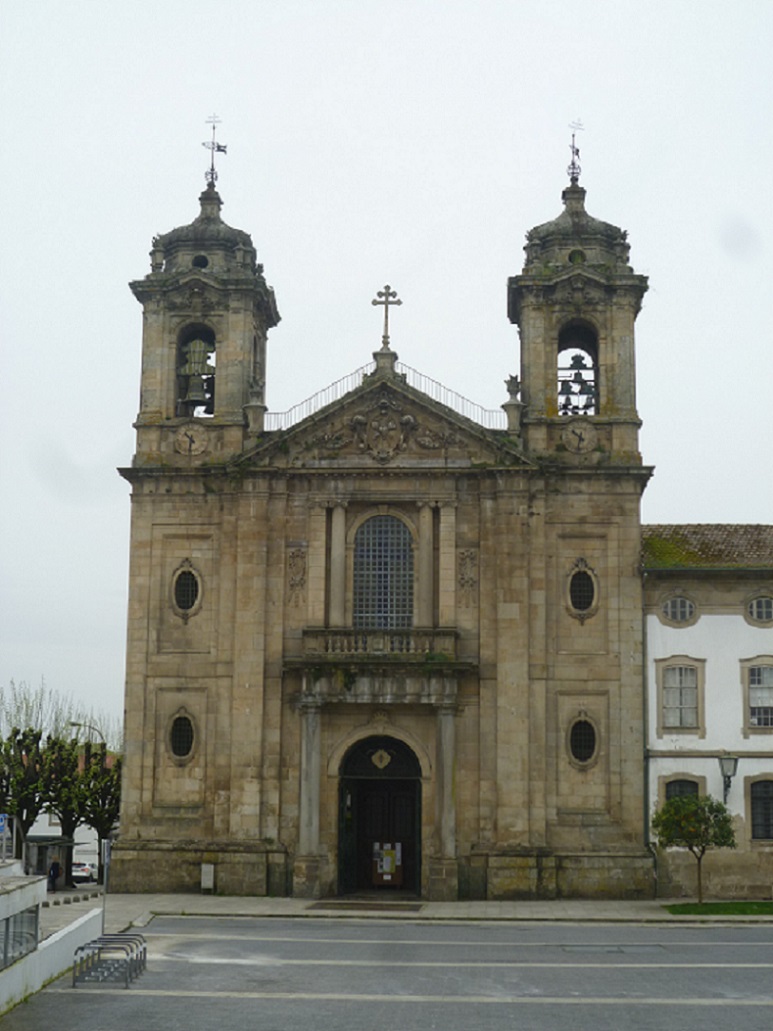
(388, 297)
(573, 171)
(216, 148)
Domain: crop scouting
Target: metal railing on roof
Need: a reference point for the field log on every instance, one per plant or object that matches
(490, 418)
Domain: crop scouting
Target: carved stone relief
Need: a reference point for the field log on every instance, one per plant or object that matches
(468, 576)
(296, 576)
(383, 428)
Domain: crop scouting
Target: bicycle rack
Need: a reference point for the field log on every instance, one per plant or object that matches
(110, 959)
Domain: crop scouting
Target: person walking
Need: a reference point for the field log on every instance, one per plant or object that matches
(53, 874)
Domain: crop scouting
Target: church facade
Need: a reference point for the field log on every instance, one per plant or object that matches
(395, 644)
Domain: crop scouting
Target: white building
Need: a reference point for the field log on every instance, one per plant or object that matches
(709, 668)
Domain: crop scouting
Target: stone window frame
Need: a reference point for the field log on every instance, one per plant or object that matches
(699, 730)
(186, 566)
(673, 595)
(754, 843)
(746, 665)
(667, 778)
(763, 593)
(581, 565)
(582, 717)
(181, 760)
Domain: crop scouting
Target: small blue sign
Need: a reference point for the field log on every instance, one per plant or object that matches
(3, 822)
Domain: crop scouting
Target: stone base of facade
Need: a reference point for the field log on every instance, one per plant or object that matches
(727, 874)
(443, 884)
(309, 877)
(256, 868)
(544, 874)
(238, 868)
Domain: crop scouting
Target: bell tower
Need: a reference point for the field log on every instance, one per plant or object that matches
(207, 311)
(575, 304)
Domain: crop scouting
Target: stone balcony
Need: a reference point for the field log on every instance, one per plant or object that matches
(384, 667)
(416, 645)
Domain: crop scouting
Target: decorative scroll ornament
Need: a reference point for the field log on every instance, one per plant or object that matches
(296, 574)
(468, 576)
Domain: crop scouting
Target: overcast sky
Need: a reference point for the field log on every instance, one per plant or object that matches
(412, 142)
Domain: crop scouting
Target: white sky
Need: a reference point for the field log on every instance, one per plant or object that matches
(412, 142)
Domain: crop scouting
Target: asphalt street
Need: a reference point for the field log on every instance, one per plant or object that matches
(240, 973)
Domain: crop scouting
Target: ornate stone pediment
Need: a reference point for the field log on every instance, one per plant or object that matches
(195, 296)
(385, 425)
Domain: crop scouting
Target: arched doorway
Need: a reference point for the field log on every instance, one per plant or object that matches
(379, 817)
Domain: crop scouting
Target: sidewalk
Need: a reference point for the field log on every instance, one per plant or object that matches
(124, 911)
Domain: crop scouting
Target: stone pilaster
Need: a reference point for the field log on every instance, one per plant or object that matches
(338, 566)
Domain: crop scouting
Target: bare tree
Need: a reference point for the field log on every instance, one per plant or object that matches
(52, 713)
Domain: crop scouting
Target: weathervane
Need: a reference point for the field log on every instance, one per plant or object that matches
(388, 298)
(216, 148)
(573, 171)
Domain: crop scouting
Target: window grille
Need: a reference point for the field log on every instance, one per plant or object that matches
(761, 696)
(762, 809)
(678, 788)
(582, 741)
(383, 575)
(181, 737)
(680, 696)
(186, 590)
(582, 591)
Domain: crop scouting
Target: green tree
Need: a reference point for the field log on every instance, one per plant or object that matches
(102, 793)
(694, 822)
(23, 776)
(64, 789)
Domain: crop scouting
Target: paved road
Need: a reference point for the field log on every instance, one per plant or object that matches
(235, 974)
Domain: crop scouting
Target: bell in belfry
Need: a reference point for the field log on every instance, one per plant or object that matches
(196, 393)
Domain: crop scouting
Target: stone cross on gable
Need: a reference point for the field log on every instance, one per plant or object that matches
(388, 297)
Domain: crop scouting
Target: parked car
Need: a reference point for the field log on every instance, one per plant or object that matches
(84, 872)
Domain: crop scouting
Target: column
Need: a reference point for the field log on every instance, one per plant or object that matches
(316, 566)
(338, 565)
(447, 615)
(424, 613)
(308, 830)
(446, 735)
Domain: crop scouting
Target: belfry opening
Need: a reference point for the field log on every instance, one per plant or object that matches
(379, 842)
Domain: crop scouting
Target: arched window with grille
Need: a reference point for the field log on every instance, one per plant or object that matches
(383, 575)
(681, 786)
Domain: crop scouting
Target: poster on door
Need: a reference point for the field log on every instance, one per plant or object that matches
(388, 863)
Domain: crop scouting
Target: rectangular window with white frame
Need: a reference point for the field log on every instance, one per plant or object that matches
(757, 684)
(680, 682)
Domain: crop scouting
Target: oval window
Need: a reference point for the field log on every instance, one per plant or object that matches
(582, 741)
(200, 261)
(679, 609)
(761, 609)
(186, 590)
(181, 737)
(582, 591)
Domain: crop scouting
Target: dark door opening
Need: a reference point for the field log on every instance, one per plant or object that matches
(380, 818)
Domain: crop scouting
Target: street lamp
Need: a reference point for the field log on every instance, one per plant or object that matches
(89, 726)
(105, 859)
(728, 764)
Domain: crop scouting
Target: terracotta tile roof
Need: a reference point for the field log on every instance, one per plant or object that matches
(707, 546)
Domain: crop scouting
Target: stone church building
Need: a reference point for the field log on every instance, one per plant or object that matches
(391, 642)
